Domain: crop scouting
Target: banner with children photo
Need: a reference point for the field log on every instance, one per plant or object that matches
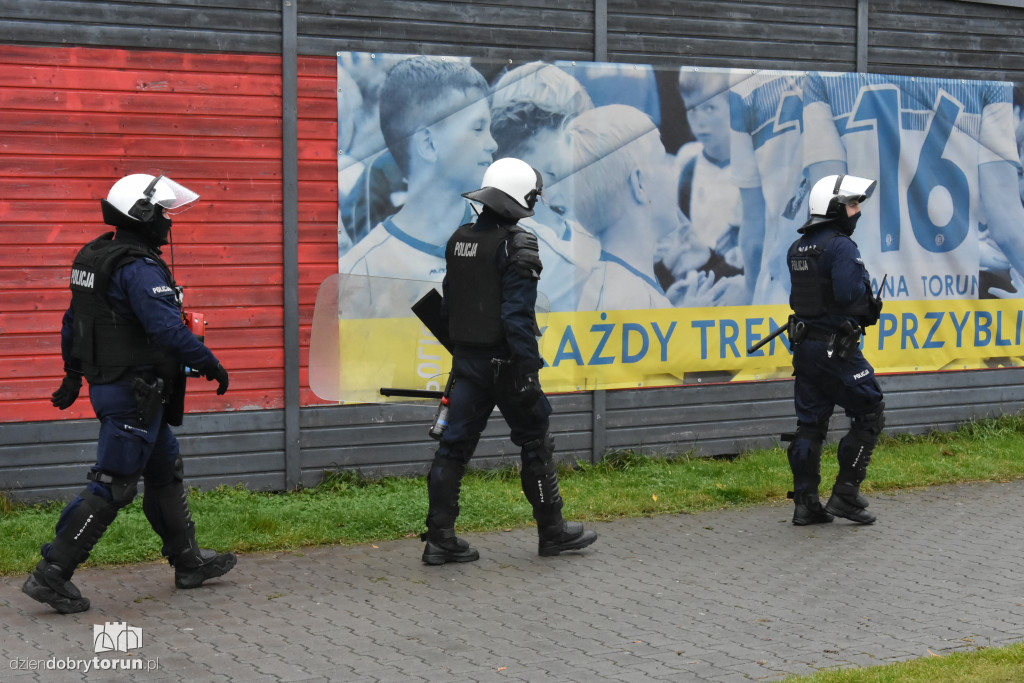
(671, 196)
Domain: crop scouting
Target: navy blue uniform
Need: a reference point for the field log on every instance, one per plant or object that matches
(481, 384)
(489, 295)
(125, 333)
(831, 297)
(140, 295)
(488, 306)
(138, 291)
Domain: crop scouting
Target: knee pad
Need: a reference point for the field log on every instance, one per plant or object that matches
(445, 467)
(80, 526)
(539, 456)
(807, 442)
(460, 451)
(856, 447)
(121, 488)
(869, 426)
(814, 432)
(804, 453)
(161, 480)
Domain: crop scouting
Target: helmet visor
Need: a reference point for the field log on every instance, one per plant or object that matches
(173, 196)
(854, 190)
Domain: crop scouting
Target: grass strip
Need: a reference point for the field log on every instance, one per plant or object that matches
(347, 508)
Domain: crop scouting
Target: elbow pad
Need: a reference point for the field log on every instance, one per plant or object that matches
(524, 254)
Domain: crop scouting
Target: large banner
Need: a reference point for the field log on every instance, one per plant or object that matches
(670, 199)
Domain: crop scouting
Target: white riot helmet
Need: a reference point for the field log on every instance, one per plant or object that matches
(833, 191)
(137, 196)
(511, 188)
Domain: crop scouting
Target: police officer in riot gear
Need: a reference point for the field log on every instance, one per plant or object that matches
(124, 332)
(832, 303)
(489, 295)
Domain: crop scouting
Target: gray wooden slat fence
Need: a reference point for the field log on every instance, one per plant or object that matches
(270, 450)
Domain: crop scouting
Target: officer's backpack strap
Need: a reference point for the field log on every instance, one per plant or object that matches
(524, 253)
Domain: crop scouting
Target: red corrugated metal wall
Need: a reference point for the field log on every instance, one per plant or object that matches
(73, 120)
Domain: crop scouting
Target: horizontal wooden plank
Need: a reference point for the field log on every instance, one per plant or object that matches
(953, 13)
(93, 189)
(218, 317)
(145, 102)
(75, 144)
(25, 300)
(238, 465)
(115, 58)
(244, 380)
(782, 11)
(138, 80)
(102, 123)
(699, 28)
(232, 444)
(253, 19)
(235, 254)
(199, 400)
(179, 169)
(46, 344)
(142, 35)
(455, 11)
(258, 445)
(937, 64)
(56, 277)
(208, 214)
(186, 235)
(791, 48)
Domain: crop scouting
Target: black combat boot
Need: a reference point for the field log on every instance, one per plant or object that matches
(808, 510)
(564, 536)
(167, 510)
(539, 478)
(79, 528)
(193, 570)
(444, 546)
(846, 501)
(444, 484)
(50, 584)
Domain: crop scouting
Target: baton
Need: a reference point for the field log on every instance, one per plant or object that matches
(410, 393)
(773, 335)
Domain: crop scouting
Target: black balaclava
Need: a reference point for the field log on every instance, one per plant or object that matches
(155, 233)
(847, 224)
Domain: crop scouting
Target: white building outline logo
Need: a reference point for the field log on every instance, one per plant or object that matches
(116, 636)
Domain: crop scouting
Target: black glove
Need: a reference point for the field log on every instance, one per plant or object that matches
(527, 389)
(68, 391)
(219, 374)
(874, 311)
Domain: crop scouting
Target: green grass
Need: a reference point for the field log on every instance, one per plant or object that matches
(349, 509)
(987, 665)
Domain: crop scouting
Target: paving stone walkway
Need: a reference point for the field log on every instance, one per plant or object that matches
(725, 596)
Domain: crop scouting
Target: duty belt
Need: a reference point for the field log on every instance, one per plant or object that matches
(818, 335)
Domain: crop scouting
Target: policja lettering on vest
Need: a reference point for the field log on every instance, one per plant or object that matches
(466, 249)
(82, 278)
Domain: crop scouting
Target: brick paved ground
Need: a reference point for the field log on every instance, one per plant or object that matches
(724, 596)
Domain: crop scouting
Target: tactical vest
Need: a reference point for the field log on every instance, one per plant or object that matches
(811, 295)
(105, 342)
(474, 286)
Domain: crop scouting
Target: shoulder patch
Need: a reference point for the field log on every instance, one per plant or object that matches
(162, 290)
